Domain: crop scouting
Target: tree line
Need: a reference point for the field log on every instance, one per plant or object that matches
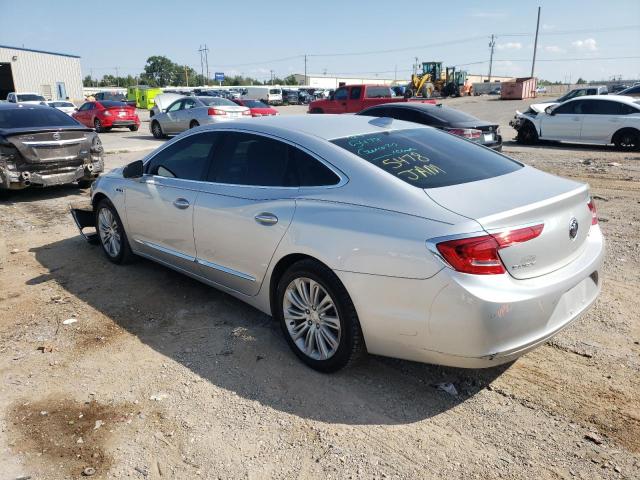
(160, 71)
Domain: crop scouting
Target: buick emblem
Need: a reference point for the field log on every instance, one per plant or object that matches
(573, 228)
(56, 136)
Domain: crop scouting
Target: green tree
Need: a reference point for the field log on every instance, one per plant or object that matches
(581, 81)
(87, 81)
(160, 71)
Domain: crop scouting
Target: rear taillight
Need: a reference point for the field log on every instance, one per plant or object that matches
(594, 212)
(106, 113)
(470, 133)
(479, 255)
(215, 111)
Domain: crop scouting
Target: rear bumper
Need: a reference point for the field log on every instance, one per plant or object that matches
(84, 217)
(121, 123)
(11, 179)
(473, 321)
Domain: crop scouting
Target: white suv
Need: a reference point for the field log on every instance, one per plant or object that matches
(26, 97)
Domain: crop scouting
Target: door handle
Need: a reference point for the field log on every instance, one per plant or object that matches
(266, 218)
(181, 203)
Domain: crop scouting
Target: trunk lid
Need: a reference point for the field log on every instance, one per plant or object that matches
(52, 146)
(523, 198)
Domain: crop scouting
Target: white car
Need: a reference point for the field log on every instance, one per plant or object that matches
(575, 93)
(594, 119)
(26, 97)
(362, 234)
(63, 106)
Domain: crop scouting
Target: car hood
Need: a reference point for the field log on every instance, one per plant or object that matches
(541, 107)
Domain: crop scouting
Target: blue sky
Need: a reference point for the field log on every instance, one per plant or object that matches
(254, 37)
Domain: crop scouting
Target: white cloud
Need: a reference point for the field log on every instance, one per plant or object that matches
(588, 45)
(509, 46)
(553, 49)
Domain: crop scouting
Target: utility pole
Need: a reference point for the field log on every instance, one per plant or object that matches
(186, 75)
(206, 60)
(415, 66)
(535, 43)
(271, 73)
(117, 77)
(492, 44)
(305, 69)
(201, 62)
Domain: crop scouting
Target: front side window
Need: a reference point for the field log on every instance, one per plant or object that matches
(85, 106)
(175, 106)
(28, 97)
(569, 108)
(428, 158)
(186, 159)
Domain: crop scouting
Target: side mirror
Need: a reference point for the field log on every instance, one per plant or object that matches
(133, 170)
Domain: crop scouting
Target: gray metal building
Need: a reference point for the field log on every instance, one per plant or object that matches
(55, 76)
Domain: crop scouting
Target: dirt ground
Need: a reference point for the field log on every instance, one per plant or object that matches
(163, 377)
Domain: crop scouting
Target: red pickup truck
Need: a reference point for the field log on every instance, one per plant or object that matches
(354, 98)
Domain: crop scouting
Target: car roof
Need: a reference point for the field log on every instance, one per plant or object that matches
(9, 105)
(325, 126)
(616, 98)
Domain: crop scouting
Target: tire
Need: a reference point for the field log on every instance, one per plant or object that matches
(194, 124)
(527, 135)
(316, 110)
(107, 220)
(330, 344)
(408, 93)
(427, 90)
(134, 128)
(627, 140)
(156, 130)
(97, 124)
(85, 183)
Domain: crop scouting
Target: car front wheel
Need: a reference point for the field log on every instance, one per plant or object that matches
(113, 238)
(318, 318)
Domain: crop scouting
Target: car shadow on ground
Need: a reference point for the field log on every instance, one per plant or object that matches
(551, 145)
(36, 194)
(242, 350)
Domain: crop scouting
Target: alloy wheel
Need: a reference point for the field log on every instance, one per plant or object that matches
(109, 232)
(311, 318)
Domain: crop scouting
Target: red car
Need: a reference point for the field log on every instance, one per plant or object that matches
(105, 115)
(257, 108)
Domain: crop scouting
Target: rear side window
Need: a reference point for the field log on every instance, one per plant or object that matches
(187, 158)
(379, 92)
(253, 160)
(428, 158)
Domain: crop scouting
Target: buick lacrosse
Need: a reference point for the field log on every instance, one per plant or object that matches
(362, 234)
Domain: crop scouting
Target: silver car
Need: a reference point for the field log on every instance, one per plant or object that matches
(361, 234)
(191, 112)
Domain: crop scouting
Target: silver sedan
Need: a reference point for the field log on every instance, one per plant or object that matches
(361, 234)
(191, 112)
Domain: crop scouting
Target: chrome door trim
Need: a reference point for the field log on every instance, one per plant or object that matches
(230, 271)
(47, 143)
(166, 250)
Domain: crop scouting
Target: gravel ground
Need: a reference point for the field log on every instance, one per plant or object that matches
(163, 377)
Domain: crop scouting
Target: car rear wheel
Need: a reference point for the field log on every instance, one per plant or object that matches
(317, 317)
(527, 135)
(627, 140)
(97, 124)
(194, 124)
(113, 238)
(156, 130)
(134, 128)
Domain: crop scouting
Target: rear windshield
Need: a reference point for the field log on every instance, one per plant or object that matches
(449, 115)
(428, 158)
(113, 96)
(112, 104)
(254, 104)
(217, 102)
(28, 97)
(61, 104)
(34, 117)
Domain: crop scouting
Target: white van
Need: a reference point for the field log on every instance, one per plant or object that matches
(267, 94)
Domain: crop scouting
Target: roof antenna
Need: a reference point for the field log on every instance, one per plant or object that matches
(384, 122)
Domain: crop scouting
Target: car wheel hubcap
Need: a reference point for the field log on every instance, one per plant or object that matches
(312, 318)
(156, 129)
(109, 232)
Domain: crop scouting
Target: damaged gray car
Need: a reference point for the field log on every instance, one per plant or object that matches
(41, 146)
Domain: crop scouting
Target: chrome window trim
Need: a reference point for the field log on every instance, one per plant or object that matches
(343, 178)
(224, 269)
